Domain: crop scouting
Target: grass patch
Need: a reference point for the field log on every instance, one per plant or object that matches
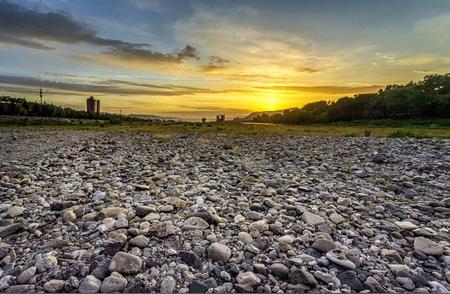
(165, 131)
(407, 134)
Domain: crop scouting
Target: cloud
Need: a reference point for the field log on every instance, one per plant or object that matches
(136, 53)
(216, 63)
(423, 71)
(214, 108)
(28, 28)
(117, 87)
(23, 42)
(325, 89)
(307, 70)
(18, 22)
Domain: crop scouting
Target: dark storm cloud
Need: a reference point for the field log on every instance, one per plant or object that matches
(103, 87)
(28, 28)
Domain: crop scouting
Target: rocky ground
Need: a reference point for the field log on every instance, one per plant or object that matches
(103, 212)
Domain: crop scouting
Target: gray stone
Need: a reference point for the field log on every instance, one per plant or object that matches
(168, 285)
(350, 279)
(125, 263)
(46, 263)
(280, 270)
(219, 252)
(324, 245)
(260, 226)
(245, 237)
(54, 286)
(312, 219)
(114, 283)
(338, 257)
(195, 223)
(248, 278)
(163, 229)
(302, 276)
(139, 241)
(7, 230)
(26, 275)
(90, 284)
(428, 246)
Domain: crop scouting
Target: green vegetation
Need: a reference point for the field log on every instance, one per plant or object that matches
(22, 107)
(415, 110)
(437, 128)
(429, 98)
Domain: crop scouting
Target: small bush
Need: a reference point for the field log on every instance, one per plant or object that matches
(367, 133)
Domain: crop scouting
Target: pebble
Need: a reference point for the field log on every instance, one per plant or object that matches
(219, 252)
(428, 246)
(140, 241)
(280, 270)
(90, 284)
(114, 283)
(324, 245)
(54, 286)
(338, 257)
(125, 263)
(120, 212)
(245, 237)
(312, 219)
(168, 285)
(302, 276)
(26, 275)
(248, 278)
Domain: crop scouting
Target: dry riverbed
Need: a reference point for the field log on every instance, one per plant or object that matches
(110, 212)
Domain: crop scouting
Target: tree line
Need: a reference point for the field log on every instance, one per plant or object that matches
(22, 107)
(424, 99)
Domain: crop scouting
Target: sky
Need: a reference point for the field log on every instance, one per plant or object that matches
(194, 59)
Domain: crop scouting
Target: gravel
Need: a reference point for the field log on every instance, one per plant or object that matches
(130, 212)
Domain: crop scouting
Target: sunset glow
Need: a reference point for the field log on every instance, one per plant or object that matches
(193, 59)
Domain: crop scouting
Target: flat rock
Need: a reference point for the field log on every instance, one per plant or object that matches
(428, 246)
(312, 219)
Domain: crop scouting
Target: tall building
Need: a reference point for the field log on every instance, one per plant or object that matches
(92, 105)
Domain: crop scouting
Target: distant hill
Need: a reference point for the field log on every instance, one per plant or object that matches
(253, 115)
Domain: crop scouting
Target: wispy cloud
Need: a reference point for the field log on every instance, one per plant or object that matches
(117, 87)
(307, 70)
(215, 63)
(325, 89)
